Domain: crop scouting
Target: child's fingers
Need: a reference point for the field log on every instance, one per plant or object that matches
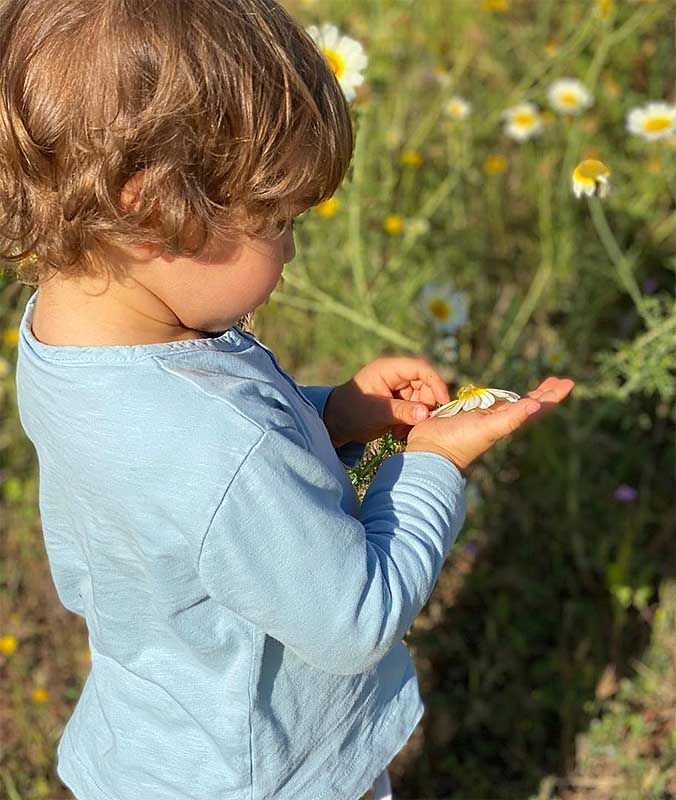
(510, 418)
(552, 397)
(546, 384)
(551, 390)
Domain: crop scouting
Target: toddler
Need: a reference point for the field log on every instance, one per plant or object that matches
(245, 612)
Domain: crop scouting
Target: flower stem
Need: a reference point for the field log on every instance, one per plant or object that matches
(616, 255)
(354, 221)
(324, 302)
(535, 289)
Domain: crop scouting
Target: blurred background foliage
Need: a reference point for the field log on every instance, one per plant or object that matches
(547, 651)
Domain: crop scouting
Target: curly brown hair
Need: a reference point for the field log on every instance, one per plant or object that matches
(227, 108)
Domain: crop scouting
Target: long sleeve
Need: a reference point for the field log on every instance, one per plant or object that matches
(340, 592)
(350, 453)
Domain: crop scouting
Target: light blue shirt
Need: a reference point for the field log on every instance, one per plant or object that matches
(245, 612)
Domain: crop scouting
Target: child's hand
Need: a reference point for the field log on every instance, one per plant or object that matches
(383, 397)
(464, 437)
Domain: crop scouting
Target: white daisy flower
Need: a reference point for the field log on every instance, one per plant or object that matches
(652, 121)
(471, 397)
(345, 55)
(445, 307)
(590, 177)
(523, 121)
(569, 96)
(458, 108)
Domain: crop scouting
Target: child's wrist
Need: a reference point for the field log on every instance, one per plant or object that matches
(335, 419)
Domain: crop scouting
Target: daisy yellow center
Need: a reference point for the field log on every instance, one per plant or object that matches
(568, 98)
(524, 118)
(439, 309)
(465, 392)
(589, 171)
(455, 108)
(336, 61)
(656, 124)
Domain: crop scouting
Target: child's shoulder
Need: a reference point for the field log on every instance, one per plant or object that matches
(240, 395)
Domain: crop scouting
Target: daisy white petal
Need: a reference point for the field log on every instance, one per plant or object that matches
(522, 121)
(471, 397)
(447, 410)
(472, 402)
(505, 394)
(569, 96)
(653, 121)
(487, 400)
(446, 308)
(591, 177)
(346, 56)
(458, 108)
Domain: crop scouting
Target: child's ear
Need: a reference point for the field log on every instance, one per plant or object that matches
(129, 197)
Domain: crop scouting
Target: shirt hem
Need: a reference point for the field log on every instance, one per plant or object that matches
(85, 779)
(391, 754)
(84, 787)
(380, 757)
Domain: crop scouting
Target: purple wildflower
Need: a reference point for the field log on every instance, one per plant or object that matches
(650, 285)
(625, 493)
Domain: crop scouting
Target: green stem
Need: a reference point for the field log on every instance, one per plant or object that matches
(535, 289)
(427, 211)
(570, 158)
(616, 256)
(327, 303)
(354, 222)
(600, 55)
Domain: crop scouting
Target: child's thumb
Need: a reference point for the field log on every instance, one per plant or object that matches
(503, 423)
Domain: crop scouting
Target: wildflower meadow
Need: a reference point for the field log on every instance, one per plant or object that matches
(509, 213)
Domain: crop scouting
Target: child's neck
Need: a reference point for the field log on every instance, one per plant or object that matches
(86, 313)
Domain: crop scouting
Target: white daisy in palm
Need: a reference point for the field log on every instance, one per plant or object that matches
(471, 397)
(652, 121)
(569, 96)
(523, 121)
(458, 108)
(591, 177)
(345, 55)
(444, 306)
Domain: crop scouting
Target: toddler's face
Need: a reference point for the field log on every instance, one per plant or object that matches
(209, 293)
